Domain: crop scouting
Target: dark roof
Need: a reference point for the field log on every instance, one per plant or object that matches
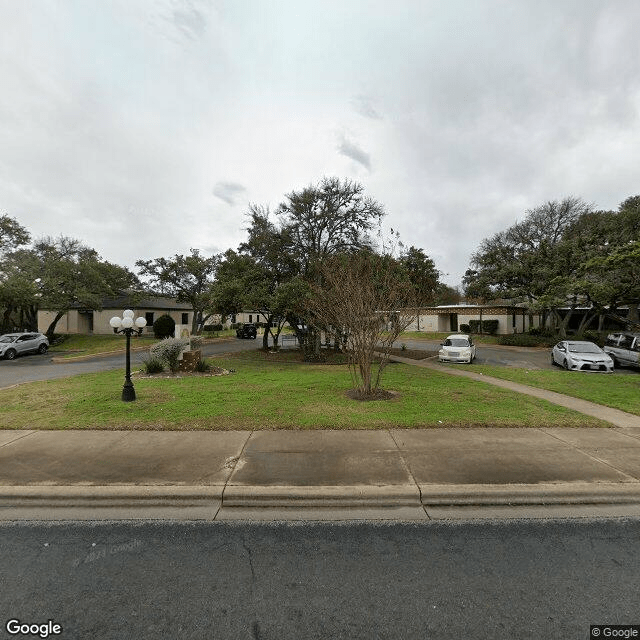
(150, 302)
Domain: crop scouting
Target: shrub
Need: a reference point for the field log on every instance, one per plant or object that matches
(164, 327)
(212, 327)
(540, 331)
(524, 340)
(203, 366)
(153, 365)
(196, 342)
(465, 328)
(168, 351)
(488, 326)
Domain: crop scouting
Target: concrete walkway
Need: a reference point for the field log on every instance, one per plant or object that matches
(385, 474)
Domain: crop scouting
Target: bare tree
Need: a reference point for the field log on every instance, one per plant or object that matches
(370, 299)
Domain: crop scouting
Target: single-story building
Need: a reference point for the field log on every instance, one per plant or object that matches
(92, 321)
(448, 318)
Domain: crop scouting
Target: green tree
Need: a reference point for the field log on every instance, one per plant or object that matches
(324, 220)
(424, 276)
(69, 274)
(530, 260)
(188, 278)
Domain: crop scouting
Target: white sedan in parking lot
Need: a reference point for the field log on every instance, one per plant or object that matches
(457, 348)
(581, 356)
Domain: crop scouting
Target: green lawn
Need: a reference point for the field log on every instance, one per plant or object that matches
(271, 391)
(617, 391)
(81, 345)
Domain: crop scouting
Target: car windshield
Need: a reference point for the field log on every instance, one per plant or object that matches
(456, 342)
(584, 347)
(7, 338)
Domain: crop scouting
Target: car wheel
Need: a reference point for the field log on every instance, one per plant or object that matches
(553, 361)
(42, 348)
(10, 354)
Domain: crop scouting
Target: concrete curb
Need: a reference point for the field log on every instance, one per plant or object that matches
(276, 497)
(90, 356)
(108, 496)
(579, 493)
(315, 496)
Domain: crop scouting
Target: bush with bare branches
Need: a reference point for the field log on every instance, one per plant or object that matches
(369, 299)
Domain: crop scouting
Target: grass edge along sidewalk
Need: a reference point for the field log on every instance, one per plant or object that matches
(268, 394)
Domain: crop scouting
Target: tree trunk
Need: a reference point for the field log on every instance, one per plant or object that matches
(52, 327)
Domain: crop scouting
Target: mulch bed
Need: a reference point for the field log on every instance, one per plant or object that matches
(380, 394)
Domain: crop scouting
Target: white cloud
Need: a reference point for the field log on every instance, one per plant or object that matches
(117, 118)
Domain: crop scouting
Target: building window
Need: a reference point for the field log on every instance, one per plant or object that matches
(149, 318)
(250, 320)
(185, 318)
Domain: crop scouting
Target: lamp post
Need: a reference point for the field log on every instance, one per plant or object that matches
(125, 325)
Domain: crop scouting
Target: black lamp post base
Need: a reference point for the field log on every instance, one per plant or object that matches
(128, 392)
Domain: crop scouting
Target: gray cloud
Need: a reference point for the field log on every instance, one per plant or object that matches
(228, 191)
(364, 106)
(351, 150)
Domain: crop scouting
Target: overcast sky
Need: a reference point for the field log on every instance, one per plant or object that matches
(145, 127)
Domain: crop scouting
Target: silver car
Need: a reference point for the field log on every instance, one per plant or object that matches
(624, 349)
(580, 355)
(14, 344)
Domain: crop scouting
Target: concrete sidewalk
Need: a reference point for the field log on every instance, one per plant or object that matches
(389, 474)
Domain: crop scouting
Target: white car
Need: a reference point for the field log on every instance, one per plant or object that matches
(14, 344)
(457, 348)
(581, 356)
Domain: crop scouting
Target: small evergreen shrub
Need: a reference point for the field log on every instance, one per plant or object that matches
(153, 365)
(164, 327)
(465, 328)
(212, 327)
(540, 331)
(488, 326)
(524, 340)
(168, 351)
(202, 366)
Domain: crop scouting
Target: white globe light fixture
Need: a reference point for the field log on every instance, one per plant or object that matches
(125, 325)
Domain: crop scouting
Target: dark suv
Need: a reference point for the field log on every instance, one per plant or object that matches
(247, 331)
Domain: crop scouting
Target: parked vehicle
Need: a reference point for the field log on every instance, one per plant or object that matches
(247, 331)
(623, 348)
(457, 348)
(15, 344)
(580, 355)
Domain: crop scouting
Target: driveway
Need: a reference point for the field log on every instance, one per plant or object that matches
(39, 367)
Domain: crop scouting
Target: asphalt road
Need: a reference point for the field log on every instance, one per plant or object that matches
(473, 580)
(39, 367)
